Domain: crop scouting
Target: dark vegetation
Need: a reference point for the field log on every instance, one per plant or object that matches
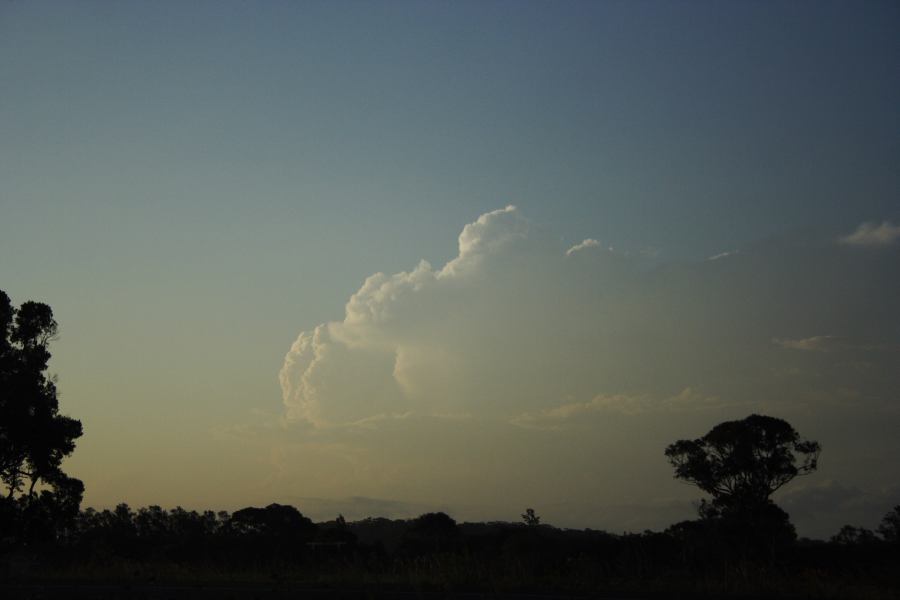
(741, 545)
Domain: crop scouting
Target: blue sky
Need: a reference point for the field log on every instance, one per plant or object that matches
(191, 184)
(684, 126)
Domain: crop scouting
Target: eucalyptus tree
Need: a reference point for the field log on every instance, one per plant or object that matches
(742, 463)
(34, 436)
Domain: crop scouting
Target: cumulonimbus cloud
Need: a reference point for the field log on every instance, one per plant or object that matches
(392, 336)
(516, 371)
(513, 323)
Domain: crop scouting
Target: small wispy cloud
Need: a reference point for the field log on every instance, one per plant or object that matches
(833, 343)
(559, 417)
(816, 343)
(588, 243)
(872, 234)
(376, 421)
(722, 255)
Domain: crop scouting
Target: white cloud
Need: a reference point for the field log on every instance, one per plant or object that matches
(324, 379)
(394, 343)
(588, 243)
(873, 234)
(508, 325)
(487, 235)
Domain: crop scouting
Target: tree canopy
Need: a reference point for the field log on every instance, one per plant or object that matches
(742, 463)
(34, 437)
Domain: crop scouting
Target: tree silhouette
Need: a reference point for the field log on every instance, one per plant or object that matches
(530, 518)
(853, 536)
(34, 437)
(742, 463)
(273, 520)
(889, 529)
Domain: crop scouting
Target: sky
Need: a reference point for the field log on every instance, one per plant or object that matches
(383, 258)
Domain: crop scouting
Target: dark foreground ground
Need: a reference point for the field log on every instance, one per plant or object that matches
(34, 591)
(61, 591)
(276, 591)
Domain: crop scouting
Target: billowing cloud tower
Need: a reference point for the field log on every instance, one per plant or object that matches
(539, 354)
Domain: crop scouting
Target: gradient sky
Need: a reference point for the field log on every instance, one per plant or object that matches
(192, 186)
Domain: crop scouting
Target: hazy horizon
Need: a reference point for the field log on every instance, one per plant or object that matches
(471, 257)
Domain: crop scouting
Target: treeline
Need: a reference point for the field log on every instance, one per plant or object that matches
(278, 543)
